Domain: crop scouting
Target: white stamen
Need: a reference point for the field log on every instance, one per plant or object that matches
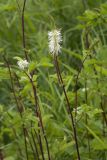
(55, 39)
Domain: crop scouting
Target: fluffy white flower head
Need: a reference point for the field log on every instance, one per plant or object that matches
(55, 40)
(23, 64)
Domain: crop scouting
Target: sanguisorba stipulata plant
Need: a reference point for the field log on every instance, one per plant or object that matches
(41, 138)
(55, 39)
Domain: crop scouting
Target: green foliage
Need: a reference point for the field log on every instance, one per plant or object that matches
(84, 53)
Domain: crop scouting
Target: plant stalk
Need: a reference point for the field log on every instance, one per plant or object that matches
(38, 114)
(68, 104)
(23, 31)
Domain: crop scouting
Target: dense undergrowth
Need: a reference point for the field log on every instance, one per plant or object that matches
(56, 107)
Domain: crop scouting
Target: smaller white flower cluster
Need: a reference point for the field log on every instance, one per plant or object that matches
(55, 39)
(23, 64)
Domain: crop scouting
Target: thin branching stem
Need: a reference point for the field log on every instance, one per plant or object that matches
(18, 107)
(38, 114)
(37, 153)
(20, 110)
(34, 153)
(34, 141)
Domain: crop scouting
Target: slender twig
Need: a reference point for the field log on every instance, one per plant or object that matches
(22, 16)
(38, 114)
(68, 104)
(24, 131)
(34, 142)
(37, 153)
(39, 141)
(34, 154)
(23, 30)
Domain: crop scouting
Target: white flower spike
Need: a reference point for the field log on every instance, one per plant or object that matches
(23, 64)
(55, 40)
